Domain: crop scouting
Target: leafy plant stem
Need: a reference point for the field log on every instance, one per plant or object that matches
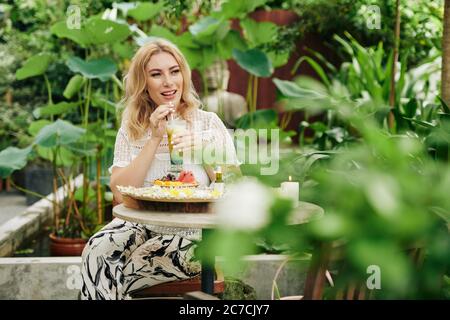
(49, 89)
(69, 195)
(391, 119)
(55, 189)
(87, 102)
(117, 81)
(33, 193)
(99, 187)
(79, 218)
(85, 184)
(302, 135)
(255, 93)
(274, 281)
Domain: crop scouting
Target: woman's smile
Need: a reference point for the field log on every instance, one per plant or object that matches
(169, 95)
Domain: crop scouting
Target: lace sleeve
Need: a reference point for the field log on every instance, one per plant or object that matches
(122, 151)
(217, 135)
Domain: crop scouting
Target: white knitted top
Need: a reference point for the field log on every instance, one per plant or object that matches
(206, 126)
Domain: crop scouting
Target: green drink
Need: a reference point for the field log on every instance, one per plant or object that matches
(175, 127)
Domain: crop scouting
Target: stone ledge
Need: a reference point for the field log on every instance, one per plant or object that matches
(39, 278)
(57, 278)
(27, 225)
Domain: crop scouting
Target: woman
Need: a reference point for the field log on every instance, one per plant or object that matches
(124, 257)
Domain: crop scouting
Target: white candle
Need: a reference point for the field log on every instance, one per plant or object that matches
(291, 189)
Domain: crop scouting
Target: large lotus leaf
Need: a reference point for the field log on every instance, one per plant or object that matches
(290, 89)
(74, 86)
(204, 27)
(193, 56)
(103, 68)
(254, 61)
(278, 59)
(55, 109)
(259, 118)
(146, 11)
(124, 50)
(300, 97)
(80, 36)
(209, 30)
(233, 40)
(12, 159)
(238, 8)
(208, 57)
(258, 33)
(36, 126)
(59, 133)
(96, 132)
(186, 39)
(65, 157)
(34, 66)
(161, 32)
(105, 104)
(83, 149)
(106, 31)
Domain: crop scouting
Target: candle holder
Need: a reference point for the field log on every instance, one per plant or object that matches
(291, 190)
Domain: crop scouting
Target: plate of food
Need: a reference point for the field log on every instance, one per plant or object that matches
(171, 194)
(164, 194)
(185, 179)
(156, 198)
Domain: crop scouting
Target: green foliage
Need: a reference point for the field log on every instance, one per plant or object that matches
(366, 80)
(381, 191)
(14, 120)
(61, 108)
(11, 159)
(103, 68)
(95, 31)
(145, 11)
(74, 86)
(34, 66)
(386, 209)
(79, 36)
(420, 29)
(258, 33)
(239, 9)
(209, 29)
(254, 61)
(59, 133)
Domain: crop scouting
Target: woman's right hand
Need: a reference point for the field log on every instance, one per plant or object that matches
(158, 120)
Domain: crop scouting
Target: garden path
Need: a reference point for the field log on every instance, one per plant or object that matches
(12, 204)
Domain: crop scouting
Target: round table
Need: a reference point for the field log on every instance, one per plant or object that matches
(303, 213)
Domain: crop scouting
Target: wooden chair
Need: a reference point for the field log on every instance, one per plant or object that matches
(180, 288)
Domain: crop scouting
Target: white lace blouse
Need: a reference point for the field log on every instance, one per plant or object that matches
(206, 126)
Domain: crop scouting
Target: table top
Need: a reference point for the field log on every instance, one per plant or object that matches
(304, 212)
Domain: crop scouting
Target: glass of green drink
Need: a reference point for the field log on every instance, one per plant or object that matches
(175, 127)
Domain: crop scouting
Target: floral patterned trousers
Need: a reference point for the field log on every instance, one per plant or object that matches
(125, 257)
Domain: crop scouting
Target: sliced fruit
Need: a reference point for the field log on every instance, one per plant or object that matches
(186, 177)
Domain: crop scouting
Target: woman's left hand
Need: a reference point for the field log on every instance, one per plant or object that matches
(183, 140)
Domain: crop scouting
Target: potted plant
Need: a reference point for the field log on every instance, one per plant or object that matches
(63, 145)
(70, 227)
(79, 147)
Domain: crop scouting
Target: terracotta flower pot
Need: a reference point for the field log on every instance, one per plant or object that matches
(66, 246)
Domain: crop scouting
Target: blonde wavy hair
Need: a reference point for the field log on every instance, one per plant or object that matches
(138, 104)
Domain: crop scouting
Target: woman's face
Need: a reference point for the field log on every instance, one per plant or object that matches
(164, 79)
